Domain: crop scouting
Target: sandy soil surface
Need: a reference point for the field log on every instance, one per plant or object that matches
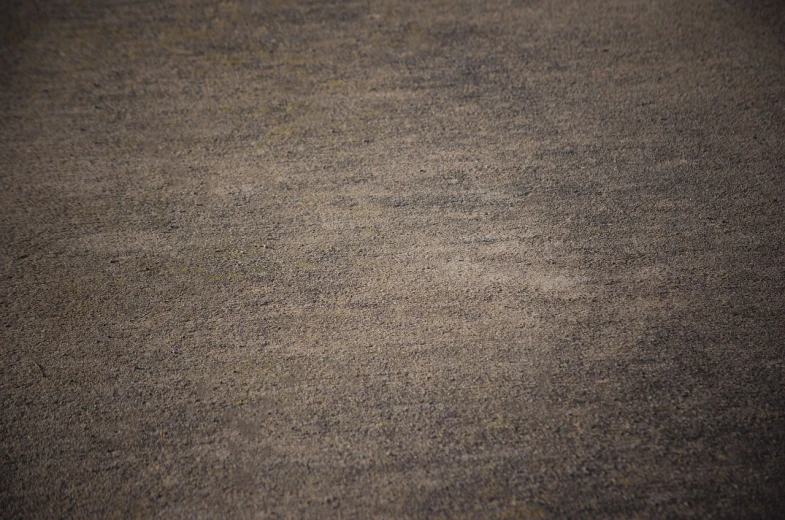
(392, 259)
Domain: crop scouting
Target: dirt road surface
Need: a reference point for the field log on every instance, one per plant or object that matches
(392, 259)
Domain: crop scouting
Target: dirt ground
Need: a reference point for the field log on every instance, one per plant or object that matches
(392, 259)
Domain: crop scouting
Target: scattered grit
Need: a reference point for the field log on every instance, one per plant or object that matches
(392, 259)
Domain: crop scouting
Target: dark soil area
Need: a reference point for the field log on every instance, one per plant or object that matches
(392, 259)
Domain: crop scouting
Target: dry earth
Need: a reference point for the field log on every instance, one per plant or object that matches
(500, 259)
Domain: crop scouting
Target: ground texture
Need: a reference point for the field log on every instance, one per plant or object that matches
(403, 259)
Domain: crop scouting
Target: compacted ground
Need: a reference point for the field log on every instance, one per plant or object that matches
(392, 259)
